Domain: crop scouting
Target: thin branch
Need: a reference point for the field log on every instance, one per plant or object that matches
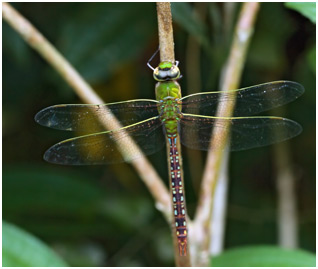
(218, 218)
(232, 74)
(37, 41)
(166, 47)
(219, 211)
(165, 32)
(287, 201)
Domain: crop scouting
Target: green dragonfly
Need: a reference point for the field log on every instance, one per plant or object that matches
(188, 119)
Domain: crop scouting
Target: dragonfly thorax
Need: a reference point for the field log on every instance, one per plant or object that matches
(169, 113)
(168, 93)
(166, 71)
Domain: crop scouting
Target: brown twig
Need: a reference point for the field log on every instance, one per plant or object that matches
(166, 47)
(38, 42)
(232, 74)
(165, 32)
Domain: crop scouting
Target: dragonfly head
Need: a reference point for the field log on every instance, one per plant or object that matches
(166, 71)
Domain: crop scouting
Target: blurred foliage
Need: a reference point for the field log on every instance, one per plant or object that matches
(307, 9)
(103, 215)
(311, 58)
(183, 14)
(264, 256)
(24, 250)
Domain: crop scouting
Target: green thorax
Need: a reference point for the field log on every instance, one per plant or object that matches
(167, 89)
(168, 94)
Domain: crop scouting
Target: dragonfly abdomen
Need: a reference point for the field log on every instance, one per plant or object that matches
(178, 199)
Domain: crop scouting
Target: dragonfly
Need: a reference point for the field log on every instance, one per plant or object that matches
(169, 119)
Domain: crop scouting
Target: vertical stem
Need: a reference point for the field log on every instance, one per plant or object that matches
(287, 208)
(165, 31)
(218, 218)
(166, 46)
(232, 74)
(287, 215)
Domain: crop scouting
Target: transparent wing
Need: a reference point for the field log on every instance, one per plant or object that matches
(249, 100)
(89, 118)
(102, 148)
(246, 132)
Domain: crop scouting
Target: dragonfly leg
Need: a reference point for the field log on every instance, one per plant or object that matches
(148, 63)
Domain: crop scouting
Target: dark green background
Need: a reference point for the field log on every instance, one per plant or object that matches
(104, 215)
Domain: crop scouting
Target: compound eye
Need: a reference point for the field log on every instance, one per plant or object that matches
(174, 72)
(157, 75)
(166, 71)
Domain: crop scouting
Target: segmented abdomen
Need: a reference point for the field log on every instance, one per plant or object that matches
(178, 199)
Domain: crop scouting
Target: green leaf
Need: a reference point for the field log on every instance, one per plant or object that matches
(264, 256)
(22, 249)
(306, 9)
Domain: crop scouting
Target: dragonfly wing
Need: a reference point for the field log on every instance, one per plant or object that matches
(246, 132)
(110, 146)
(91, 118)
(248, 101)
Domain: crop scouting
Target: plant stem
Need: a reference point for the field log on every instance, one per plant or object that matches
(38, 42)
(287, 201)
(166, 47)
(221, 189)
(165, 32)
(232, 73)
